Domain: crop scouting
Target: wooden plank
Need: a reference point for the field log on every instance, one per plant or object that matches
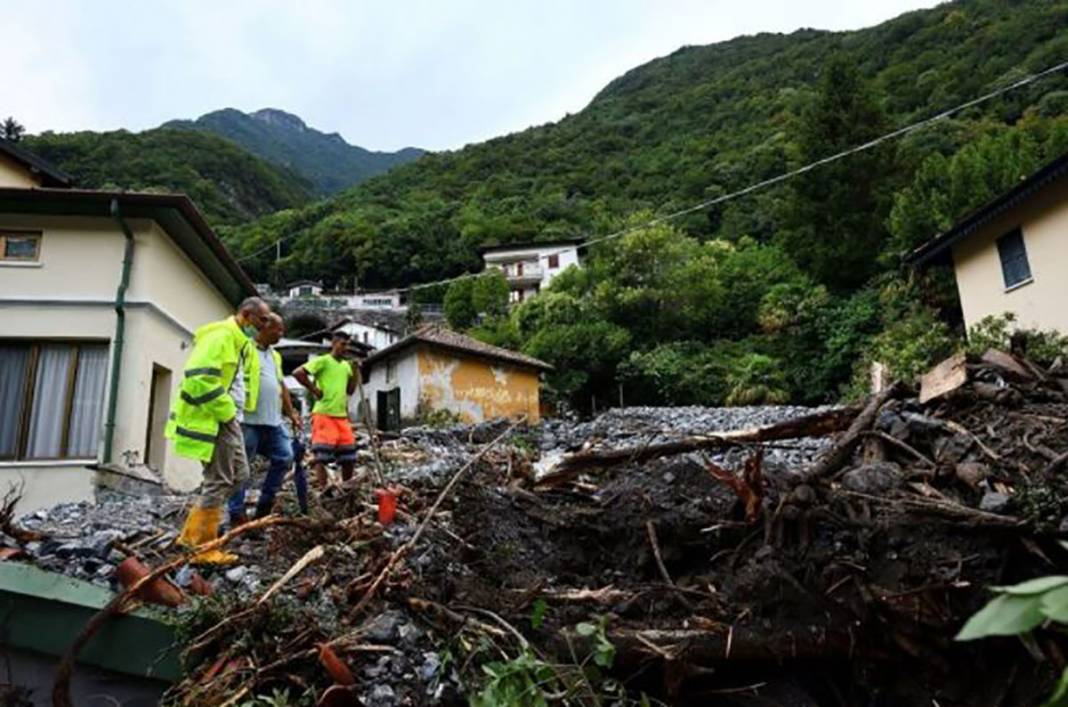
(947, 376)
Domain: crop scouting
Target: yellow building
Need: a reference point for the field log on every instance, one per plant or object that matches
(1011, 255)
(100, 293)
(436, 369)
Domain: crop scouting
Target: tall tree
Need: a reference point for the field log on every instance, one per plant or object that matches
(12, 129)
(834, 214)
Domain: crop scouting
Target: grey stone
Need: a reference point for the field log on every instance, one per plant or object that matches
(994, 502)
(430, 667)
(385, 626)
(892, 424)
(102, 540)
(236, 574)
(409, 633)
(184, 576)
(875, 478)
(382, 694)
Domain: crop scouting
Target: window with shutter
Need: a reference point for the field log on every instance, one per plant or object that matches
(1014, 266)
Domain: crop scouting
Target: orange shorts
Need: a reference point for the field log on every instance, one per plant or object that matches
(332, 439)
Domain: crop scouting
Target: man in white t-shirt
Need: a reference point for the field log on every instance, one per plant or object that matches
(265, 430)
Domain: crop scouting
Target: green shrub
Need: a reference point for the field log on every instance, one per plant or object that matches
(756, 379)
(998, 332)
(908, 347)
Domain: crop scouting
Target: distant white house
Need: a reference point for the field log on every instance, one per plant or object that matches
(375, 329)
(305, 288)
(375, 300)
(530, 268)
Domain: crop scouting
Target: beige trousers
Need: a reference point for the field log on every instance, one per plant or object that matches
(228, 468)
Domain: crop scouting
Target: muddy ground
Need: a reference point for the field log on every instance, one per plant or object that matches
(771, 586)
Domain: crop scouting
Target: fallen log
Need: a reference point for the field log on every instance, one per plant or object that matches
(842, 451)
(817, 424)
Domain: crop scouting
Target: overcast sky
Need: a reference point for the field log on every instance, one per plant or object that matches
(434, 74)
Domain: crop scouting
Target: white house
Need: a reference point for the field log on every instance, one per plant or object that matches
(305, 288)
(100, 293)
(375, 300)
(1011, 254)
(530, 268)
(374, 329)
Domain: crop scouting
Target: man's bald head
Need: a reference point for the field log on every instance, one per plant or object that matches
(272, 332)
(254, 311)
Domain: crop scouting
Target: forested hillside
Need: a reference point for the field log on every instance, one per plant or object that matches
(325, 160)
(228, 184)
(702, 121)
(786, 294)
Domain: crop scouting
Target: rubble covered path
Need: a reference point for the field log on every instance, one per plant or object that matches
(821, 571)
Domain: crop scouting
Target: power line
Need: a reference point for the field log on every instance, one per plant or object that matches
(764, 184)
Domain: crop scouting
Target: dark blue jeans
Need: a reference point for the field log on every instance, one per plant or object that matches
(272, 442)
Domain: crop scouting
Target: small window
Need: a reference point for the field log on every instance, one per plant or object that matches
(391, 371)
(1014, 266)
(20, 247)
(51, 399)
(554, 261)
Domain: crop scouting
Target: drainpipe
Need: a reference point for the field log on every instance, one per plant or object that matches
(120, 330)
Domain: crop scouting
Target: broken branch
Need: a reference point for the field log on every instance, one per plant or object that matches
(400, 552)
(815, 425)
(843, 450)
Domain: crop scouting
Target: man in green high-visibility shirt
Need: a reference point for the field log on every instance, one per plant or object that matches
(205, 418)
(335, 379)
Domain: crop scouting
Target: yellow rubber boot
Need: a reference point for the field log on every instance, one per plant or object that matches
(189, 536)
(202, 526)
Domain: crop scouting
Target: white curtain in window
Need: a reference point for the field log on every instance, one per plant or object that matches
(49, 402)
(14, 359)
(88, 401)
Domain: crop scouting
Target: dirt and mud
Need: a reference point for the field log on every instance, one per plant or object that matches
(713, 578)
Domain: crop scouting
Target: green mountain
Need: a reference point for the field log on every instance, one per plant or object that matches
(700, 122)
(228, 184)
(325, 160)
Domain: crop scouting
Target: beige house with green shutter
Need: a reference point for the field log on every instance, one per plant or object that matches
(87, 364)
(1011, 255)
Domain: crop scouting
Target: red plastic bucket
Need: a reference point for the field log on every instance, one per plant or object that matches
(387, 505)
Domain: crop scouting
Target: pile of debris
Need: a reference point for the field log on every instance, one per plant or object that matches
(820, 557)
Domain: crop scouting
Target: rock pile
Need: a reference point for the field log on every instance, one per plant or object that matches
(821, 557)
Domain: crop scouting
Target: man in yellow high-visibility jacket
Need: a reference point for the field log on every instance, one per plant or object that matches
(205, 418)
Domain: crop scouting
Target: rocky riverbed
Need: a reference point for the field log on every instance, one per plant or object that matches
(87, 540)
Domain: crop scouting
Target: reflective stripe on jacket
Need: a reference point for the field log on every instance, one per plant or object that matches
(203, 397)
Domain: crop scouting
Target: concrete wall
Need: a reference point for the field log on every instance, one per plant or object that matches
(70, 294)
(474, 388)
(14, 174)
(1043, 220)
(406, 377)
(91, 687)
